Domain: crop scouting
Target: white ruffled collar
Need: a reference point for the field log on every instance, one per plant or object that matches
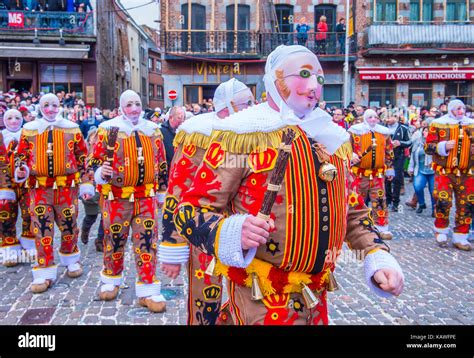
(146, 127)
(447, 119)
(203, 123)
(318, 125)
(363, 128)
(40, 124)
(9, 136)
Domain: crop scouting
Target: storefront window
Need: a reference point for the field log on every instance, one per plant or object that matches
(461, 90)
(191, 94)
(381, 93)
(61, 77)
(332, 95)
(420, 93)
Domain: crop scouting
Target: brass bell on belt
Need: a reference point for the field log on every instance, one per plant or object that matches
(309, 297)
(332, 284)
(111, 196)
(327, 172)
(132, 198)
(212, 266)
(256, 291)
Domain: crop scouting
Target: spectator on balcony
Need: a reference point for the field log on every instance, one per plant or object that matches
(341, 35)
(83, 5)
(70, 5)
(321, 35)
(302, 30)
(56, 5)
(16, 5)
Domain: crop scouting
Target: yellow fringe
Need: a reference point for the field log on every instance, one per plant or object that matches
(447, 126)
(246, 143)
(33, 132)
(262, 269)
(198, 139)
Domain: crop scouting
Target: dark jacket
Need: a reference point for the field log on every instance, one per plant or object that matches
(402, 134)
(56, 5)
(168, 138)
(91, 206)
(16, 5)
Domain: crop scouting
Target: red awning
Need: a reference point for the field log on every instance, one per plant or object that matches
(416, 73)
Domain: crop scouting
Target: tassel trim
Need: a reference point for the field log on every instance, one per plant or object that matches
(198, 139)
(273, 280)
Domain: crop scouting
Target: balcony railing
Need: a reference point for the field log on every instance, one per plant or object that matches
(250, 43)
(48, 23)
(420, 35)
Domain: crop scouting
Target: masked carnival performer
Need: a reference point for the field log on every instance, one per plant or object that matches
(372, 162)
(13, 120)
(55, 155)
(285, 254)
(191, 142)
(451, 142)
(130, 170)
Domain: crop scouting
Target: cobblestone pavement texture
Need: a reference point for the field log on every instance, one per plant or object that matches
(439, 287)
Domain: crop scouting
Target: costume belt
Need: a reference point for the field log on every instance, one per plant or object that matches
(70, 180)
(360, 172)
(125, 192)
(274, 280)
(444, 171)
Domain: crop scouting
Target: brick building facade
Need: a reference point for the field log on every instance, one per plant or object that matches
(228, 38)
(414, 52)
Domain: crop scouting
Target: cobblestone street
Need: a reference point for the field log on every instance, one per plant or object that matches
(439, 288)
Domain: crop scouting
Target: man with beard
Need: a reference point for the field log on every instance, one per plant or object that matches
(284, 253)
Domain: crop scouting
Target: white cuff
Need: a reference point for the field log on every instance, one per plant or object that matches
(69, 259)
(98, 177)
(111, 280)
(7, 194)
(382, 228)
(460, 238)
(147, 289)
(230, 243)
(375, 261)
(28, 243)
(161, 197)
(86, 188)
(18, 180)
(390, 173)
(173, 254)
(444, 230)
(441, 149)
(45, 273)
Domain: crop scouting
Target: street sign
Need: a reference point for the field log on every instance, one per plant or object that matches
(172, 95)
(16, 19)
